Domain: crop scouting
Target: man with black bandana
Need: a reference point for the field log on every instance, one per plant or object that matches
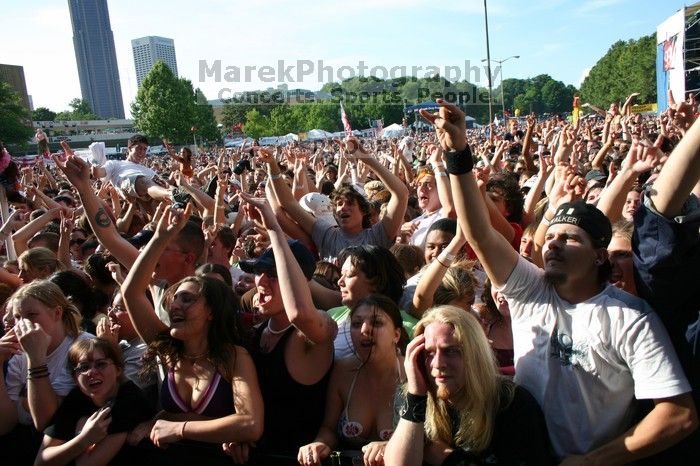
(585, 347)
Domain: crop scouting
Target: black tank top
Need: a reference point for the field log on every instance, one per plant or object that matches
(293, 411)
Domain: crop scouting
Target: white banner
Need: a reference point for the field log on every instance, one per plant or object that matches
(670, 69)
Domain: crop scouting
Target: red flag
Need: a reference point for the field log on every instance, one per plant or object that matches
(344, 118)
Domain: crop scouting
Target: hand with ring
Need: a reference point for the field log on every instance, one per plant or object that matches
(313, 453)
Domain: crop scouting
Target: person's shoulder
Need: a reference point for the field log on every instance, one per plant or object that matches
(613, 297)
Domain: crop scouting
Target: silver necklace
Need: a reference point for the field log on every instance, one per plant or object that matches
(277, 332)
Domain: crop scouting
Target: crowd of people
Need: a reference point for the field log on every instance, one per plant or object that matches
(514, 295)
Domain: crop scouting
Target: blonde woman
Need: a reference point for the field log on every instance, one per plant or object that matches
(457, 408)
(37, 263)
(37, 377)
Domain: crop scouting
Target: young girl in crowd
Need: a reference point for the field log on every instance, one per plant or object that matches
(210, 393)
(36, 379)
(92, 423)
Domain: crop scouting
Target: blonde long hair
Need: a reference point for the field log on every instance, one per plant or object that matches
(50, 295)
(480, 400)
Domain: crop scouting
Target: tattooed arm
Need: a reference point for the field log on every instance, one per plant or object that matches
(78, 173)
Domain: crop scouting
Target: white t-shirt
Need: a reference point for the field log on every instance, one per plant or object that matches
(585, 363)
(120, 170)
(424, 223)
(60, 377)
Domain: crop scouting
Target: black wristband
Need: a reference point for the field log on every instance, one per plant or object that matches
(459, 457)
(459, 163)
(414, 408)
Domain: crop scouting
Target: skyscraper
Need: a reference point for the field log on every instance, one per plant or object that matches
(14, 75)
(148, 50)
(97, 60)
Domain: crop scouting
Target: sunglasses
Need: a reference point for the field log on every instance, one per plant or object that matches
(78, 241)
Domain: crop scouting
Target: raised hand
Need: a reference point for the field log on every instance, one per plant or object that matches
(260, 210)
(74, 168)
(107, 331)
(173, 220)
(450, 126)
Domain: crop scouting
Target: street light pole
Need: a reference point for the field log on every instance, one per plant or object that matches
(500, 64)
(488, 64)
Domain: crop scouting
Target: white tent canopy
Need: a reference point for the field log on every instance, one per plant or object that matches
(318, 134)
(393, 131)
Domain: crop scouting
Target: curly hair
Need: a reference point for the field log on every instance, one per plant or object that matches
(349, 193)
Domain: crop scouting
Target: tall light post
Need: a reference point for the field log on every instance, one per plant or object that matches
(500, 64)
(488, 60)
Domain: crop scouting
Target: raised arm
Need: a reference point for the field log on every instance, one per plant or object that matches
(495, 253)
(316, 325)
(22, 236)
(78, 173)
(682, 170)
(396, 208)
(284, 195)
(141, 311)
(442, 181)
(432, 277)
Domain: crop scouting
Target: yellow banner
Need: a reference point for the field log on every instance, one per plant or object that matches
(643, 108)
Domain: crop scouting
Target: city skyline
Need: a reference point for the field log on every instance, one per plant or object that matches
(552, 37)
(95, 55)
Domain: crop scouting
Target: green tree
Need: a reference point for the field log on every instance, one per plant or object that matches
(15, 120)
(627, 67)
(80, 110)
(256, 124)
(43, 114)
(165, 105)
(204, 119)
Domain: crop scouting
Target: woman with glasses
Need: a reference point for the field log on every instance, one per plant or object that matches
(210, 392)
(36, 378)
(95, 418)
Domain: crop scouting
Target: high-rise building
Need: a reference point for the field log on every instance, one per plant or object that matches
(97, 59)
(148, 50)
(14, 76)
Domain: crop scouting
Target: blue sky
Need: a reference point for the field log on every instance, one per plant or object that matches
(562, 38)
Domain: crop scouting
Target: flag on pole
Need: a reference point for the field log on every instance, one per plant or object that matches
(344, 118)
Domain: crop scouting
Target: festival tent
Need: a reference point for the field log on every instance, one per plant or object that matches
(318, 134)
(393, 131)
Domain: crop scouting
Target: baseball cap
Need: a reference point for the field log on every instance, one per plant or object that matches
(266, 261)
(595, 175)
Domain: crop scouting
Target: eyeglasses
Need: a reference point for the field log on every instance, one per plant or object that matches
(100, 365)
(78, 241)
(116, 309)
